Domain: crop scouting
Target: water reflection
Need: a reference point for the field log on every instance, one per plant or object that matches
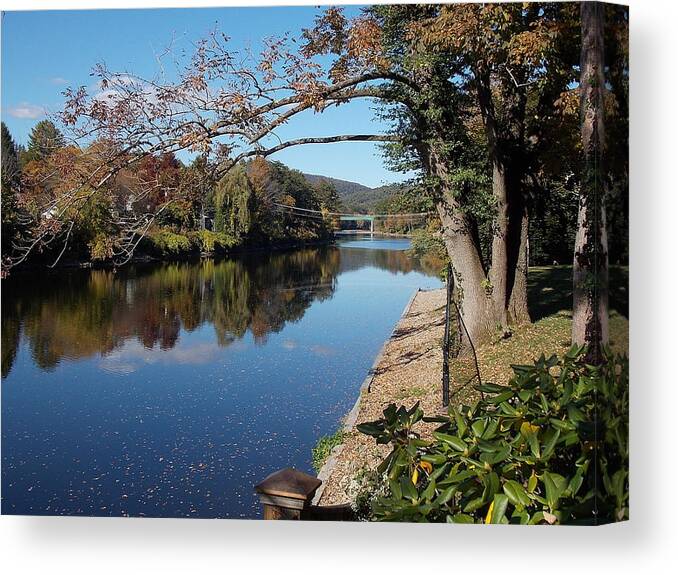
(83, 314)
(80, 314)
(170, 390)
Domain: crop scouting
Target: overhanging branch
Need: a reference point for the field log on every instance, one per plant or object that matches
(305, 141)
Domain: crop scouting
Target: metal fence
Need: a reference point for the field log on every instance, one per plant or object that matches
(452, 339)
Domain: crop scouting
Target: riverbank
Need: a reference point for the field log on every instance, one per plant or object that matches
(147, 259)
(406, 371)
(409, 369)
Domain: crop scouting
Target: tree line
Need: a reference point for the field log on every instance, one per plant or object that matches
(179, 209)
(506, 112)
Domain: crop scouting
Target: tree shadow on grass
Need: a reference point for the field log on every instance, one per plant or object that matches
(549, 290)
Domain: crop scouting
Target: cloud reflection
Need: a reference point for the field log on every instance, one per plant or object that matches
(132, 356)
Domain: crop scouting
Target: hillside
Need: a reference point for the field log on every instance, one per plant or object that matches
(354, 196)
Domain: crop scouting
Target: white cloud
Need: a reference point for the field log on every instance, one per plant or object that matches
(322, 350)
(26, 111)
(289, 344)
(58, 81)
(116, 88)
(133, 355)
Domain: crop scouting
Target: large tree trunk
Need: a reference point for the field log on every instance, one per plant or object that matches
(500, 184)
(475, 303)
(518, 310)
(499, 268)
(476, 306)
(590, 306)
(508, 270)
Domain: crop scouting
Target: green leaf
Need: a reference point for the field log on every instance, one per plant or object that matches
(455, 442)
(478, 427)
(534, 444)
(372, 428)
(445, 496)
(474, 505)
(500, 398)
(499, 508)
(532, 483)
(434, 458)
(568, 387)
(491, 429)
(551, 438)
(516, 493)
(408, 489)
(555, 486)
(491, 388)
(395, 489)
(462, 518)
(429, 492)
(562, 425)
(461, 424)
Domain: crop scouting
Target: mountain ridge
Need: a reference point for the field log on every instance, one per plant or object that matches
(354, 196)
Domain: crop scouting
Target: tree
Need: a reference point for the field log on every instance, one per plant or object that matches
(465, 87)
(590, 272)
(11, 175)
(11, 171)
(197, 188)
(234, 204)
(327, 195)
(44, 140)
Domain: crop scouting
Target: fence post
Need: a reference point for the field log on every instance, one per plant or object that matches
(287, 494)
(446, 338)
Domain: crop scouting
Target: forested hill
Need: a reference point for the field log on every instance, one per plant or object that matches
(354, 196)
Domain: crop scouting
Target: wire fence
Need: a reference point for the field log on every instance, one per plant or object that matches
(455, 337)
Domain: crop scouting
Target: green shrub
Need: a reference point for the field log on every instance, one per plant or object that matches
(167, 243)
(427, 242)
(551, 447)
(323, 448)
(208, 242)
(428, 248)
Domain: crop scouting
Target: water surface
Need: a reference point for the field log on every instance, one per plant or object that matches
(170, 390)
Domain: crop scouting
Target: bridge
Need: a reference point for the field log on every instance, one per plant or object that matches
(358, 218)
(347, 217)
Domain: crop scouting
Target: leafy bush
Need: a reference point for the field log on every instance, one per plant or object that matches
(427, 242)
(323, 448)
(428, 247)
(208, 242)
(551, 447)
(167, 243)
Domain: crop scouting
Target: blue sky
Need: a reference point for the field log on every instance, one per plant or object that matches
(45, 52)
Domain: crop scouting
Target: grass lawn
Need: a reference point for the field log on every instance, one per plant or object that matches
(550, 300)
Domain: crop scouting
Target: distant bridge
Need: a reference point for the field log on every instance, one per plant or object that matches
(358, 218)
(347, 217)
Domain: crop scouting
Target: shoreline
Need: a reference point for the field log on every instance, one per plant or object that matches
(349, 421)
(407, 369)
(146, 259)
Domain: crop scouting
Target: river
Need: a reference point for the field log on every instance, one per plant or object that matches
(169, 390)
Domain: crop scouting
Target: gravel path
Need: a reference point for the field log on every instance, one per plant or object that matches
(409, 370)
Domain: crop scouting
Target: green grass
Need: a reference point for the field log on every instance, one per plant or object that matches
(325, 445)
(550, 301)
(549, 290)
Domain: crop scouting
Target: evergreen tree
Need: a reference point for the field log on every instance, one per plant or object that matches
(10, 158)
(10, 183)
(44, 140)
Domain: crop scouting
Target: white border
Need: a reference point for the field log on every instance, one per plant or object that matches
(648, 543)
